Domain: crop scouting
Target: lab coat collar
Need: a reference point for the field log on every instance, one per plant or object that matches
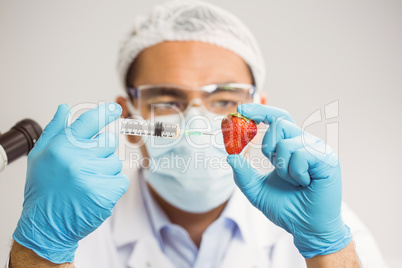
(130, 220)
(157, 216)
(131, 223)
(254, 227)
(233, 211)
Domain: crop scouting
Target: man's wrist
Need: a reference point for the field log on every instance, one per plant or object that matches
(54, 252)
(345, 257)
(314, 246)
(21, 256)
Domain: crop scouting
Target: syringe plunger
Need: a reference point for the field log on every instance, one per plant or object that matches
(143, 128)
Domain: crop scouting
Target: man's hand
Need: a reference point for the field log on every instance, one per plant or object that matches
(303, 194)
(73, 182)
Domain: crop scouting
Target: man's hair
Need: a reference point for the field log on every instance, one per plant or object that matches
(192, 20)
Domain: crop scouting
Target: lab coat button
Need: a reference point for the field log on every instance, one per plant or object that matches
(149, 264)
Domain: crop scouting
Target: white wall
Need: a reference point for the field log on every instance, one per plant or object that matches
(317, 52)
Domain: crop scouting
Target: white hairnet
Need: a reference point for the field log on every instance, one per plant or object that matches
(192, 20)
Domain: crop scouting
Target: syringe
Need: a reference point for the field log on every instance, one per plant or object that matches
(158, 129)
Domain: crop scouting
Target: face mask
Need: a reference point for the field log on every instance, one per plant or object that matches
(191, 172)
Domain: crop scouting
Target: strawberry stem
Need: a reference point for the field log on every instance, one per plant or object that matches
(240, 116)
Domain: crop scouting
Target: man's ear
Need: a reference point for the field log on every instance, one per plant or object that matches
(123, 103)
(263, 98)
(133, 139)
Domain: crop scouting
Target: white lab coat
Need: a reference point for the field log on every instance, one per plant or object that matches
(269, 246)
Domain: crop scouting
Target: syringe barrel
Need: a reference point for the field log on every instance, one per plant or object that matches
(143, 128)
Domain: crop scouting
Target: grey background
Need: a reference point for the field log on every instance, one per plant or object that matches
(316, 52)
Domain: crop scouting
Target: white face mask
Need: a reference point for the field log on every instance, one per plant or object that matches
(191, 172)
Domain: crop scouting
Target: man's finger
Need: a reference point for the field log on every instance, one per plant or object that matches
(283, 154)
(110, 165)
(55, 126)
(299, 166)
(93, 121)
(279, 130)
(107, 143)
(263, 113)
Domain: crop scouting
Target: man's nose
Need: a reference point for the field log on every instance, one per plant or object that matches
(195, 107)
(196, 102)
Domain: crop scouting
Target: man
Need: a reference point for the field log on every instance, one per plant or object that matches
(188, 60)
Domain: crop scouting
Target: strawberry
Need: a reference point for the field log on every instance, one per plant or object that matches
(237, 132)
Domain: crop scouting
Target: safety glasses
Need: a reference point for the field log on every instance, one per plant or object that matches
(165, 99)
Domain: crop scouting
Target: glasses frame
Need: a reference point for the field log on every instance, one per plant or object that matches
(133, 92)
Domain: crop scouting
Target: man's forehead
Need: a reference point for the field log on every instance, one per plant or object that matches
(190, 63)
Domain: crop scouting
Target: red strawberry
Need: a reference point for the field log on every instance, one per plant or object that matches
(237, 132)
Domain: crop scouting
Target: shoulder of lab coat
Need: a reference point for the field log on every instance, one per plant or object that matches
(269, 245)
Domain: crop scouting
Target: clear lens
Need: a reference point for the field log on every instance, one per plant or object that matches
(168, 99)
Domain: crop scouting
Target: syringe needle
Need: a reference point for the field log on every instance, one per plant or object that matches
(193, 132)
(203, 133)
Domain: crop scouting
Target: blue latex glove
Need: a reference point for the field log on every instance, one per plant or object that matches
(70, 191)
(303, 194)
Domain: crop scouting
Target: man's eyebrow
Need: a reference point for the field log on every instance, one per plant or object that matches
(163, 90)
(225, 82)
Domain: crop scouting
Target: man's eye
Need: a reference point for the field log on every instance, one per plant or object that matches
(167, 104)
(224, 104)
